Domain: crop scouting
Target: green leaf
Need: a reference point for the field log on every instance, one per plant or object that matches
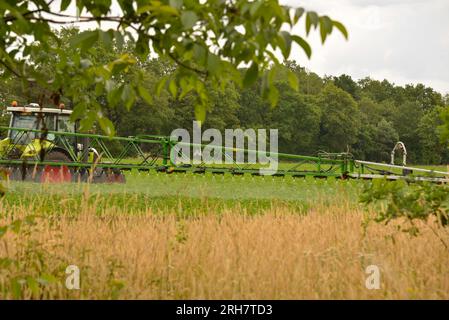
(107, 126)
(341, 28)
(251, 75)
(255, 5)
(119, 39)
(325, 27)
(85, 39)
(144, 9)
(311, 20)
(293, 80)
(273, 96)
(87, 121)
(176, 3)
(298, 14)
(157, 10)
(121, 64)
(160, 85)
(105, 37)
(173, 88)
(144, 94)
(126, 93)
(199, 53)
(186, 86)
(128, 96)
(65, 4)
(188, 19)
(327, 23)
(114, 96)
(286, 41)
(78, 111)
(213, 63)
(200, 112)
(142, 45)
(303, 44)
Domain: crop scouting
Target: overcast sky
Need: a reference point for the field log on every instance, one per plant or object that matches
(404, 41)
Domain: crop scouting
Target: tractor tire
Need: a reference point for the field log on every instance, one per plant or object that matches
(57, 156)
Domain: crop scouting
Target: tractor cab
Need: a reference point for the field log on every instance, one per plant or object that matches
(34, 117)
(25, 138)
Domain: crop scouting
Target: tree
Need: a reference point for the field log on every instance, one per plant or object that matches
(253, 109)
(308, 82)
(340, 122)
(385, 138)
(405, 121)
(297, 118)
(446, 99)
(374, 111)
(377, 90)
(207, 40)
(346, 83)
(424, 96)
(433, 150)
(375, 140)
(224, 107)
(222, 111)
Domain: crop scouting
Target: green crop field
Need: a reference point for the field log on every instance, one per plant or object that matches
(165, 192)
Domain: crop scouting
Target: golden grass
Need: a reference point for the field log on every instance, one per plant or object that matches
(276, 255)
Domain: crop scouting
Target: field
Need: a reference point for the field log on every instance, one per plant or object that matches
(191, 236)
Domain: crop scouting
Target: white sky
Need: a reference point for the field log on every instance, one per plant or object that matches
(403, 41)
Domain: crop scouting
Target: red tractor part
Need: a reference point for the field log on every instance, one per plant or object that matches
(56, 174)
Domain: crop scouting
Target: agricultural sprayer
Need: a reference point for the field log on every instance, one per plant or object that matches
(44, 145)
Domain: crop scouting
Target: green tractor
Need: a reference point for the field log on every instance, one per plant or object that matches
(52, 157)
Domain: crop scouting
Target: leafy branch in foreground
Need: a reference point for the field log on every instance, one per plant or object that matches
(424, 201)
(208, 40)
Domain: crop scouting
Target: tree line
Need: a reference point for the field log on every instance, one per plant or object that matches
(333, 114)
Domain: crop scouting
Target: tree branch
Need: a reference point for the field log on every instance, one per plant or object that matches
(10, 69)
(182, 64)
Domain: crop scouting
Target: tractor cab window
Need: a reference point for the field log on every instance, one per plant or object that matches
(64, 124)
(30, 121)
(25, 121)
(49, 122)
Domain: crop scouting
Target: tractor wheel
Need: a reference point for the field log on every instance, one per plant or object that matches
(57, 156)
(56, 173)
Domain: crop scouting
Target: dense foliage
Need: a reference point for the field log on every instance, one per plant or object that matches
(207, 40)
(366, 117)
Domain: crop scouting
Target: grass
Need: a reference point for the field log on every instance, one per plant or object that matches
(191, 236)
